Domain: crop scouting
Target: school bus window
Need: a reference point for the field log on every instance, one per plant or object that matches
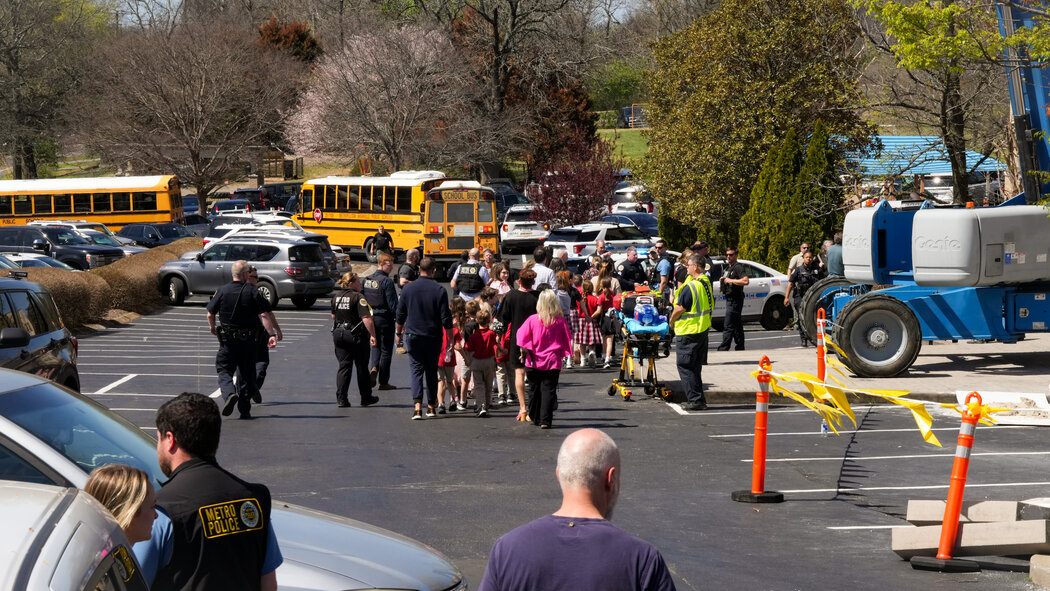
(366, 198)
(5, 205)
(437, 212)
(121, 201)
(460, 212)
(144, 201)
(306, 200)
(41, 204)
(404, 199)
(484, 211)
(23, 205)
(101, 202)
(63, 204)
(81, 203)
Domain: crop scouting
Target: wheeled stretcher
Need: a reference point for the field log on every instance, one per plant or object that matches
(646, 337)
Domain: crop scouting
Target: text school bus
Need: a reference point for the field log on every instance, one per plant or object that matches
(349, 210)
(113, 201)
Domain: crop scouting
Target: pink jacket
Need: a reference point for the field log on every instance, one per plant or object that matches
(547, 343)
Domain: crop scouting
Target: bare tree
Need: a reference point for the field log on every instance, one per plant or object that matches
(391, 94)
(197, 100)
(42, 43)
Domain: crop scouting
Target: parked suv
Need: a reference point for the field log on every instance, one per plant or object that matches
(32, 336)
(64, 244)
(150, 235)
(288, 268)
(580, 240)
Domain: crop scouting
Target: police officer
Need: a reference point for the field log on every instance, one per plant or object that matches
(380, 293)
(262, 349)
(690, 320)
(470, 277)
(382, 242)
(409, 271)
(631, 271)
(712, 272)
(353, 332)
(239, 309)
(213, 529)
(733, 281)
(801, 279)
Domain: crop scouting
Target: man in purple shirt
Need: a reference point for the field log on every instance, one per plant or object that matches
(577, 547)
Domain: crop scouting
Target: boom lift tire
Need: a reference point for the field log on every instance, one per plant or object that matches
(812, 300)
(879, 335)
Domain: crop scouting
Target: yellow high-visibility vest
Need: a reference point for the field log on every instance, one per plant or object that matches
(698, 319)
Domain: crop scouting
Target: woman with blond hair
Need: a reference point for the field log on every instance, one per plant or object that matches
(129, 496)
(606, 272)
(545, 339)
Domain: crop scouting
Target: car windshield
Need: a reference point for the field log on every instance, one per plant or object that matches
(174, 231)
(103, 239)
(6, 263)
(65, 236)
(231, 204)
(514, 198)
(80, 429)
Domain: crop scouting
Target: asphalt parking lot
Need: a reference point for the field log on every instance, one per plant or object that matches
(458, 482)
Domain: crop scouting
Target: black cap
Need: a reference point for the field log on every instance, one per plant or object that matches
(699, 244)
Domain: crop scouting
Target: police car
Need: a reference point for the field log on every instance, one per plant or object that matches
(519, 232)
(763, 295)
(579, 240)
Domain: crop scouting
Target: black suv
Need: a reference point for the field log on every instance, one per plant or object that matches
(150, 235)
(60, 243)
(32, 336)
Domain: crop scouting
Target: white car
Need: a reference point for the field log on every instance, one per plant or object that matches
(84, 225)
(32, 259)
(580, 240)
(763, 295)
(52, 435)
(519, 232)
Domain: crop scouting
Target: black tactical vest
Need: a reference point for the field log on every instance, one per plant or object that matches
(469, 279)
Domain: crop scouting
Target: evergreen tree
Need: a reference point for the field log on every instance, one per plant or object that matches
(811, 185)
(820, 189)
(769, 216)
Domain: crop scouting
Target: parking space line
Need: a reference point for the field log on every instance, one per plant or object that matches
(127, 394)
(900, 457)
(921, 487)
(819, 434)
(105, 389)
(850, 527)
(152, 375)
(133, 409)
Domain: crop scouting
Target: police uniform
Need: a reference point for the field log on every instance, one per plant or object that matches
(383, 242)
(381, 295)
(237, 306)
(733, 329)
(350, 335)
(801, 279)
(409, 272)
(691, 335)
(631, 274)
(220, 530)
(470, 279)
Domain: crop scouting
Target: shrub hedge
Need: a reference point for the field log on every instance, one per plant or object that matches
(129, 284)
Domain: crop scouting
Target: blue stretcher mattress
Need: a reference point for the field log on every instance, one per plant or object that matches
(635, 327)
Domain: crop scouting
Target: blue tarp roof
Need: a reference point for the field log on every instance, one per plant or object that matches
(916, 154)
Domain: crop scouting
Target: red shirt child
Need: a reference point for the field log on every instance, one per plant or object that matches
(444, 347)
(483, 343)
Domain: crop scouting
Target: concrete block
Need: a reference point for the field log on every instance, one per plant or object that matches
(1011, 538)
(1039, 570)
(924, 512)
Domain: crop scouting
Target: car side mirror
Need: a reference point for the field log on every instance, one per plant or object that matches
(200, 257)
(13, 337)
(42, 245)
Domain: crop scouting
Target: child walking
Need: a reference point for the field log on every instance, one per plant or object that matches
(483, 345)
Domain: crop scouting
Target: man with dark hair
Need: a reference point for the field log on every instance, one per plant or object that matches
(664, 273)
(516, 307)
(690, 321)
(378, 290)
(212, 529)
(630, 271)
(577, 547)
(423, 319)
(734, 279)
(544, 274)
(240, 311)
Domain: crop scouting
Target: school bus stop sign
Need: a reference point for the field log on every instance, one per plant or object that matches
(318, 215)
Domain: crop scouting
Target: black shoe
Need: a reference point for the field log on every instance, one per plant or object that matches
(694, 406)
(369, 401)
(373, 376)
(257, 397)
(231, 403)
(723, 349)
(342, 403)
(246, 416)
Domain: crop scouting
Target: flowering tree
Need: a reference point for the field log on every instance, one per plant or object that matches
(575, 187)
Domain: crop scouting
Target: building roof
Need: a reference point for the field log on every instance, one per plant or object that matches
(916, 154)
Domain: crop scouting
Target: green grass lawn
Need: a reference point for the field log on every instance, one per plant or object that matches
(630, 144)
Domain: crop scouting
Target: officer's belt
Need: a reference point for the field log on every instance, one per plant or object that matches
(380, 311)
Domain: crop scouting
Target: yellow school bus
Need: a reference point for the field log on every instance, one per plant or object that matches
(460, 215)
(349, 210)
(113, 201)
